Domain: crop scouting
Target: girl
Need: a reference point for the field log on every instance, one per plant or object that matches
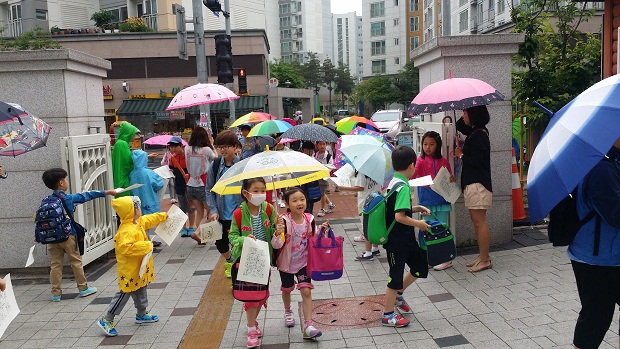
(293, 257)
(198, 156)
(430, 163)
(257, 224)
(165, 161)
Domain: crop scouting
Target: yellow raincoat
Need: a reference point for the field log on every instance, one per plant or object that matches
(132, 244)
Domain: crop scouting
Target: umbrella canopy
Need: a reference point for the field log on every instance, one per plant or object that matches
(272, 164)
(290, 121)
(453, 94)
(269, 127)
(340, 160)
(201, 94)
(310, 132)
(20, 131)
(576, 139)
(347, 124)
(368, 155)
(161, 140)
(252, 118)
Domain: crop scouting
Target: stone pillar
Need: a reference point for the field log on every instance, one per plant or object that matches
(63, 88)
(488, 58)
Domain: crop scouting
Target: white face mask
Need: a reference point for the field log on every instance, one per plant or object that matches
(257, 199)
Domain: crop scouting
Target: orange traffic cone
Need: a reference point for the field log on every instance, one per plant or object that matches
(518, 209)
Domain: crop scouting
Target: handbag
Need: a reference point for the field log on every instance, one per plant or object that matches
(247, 291)
(438, 242)
(325, 257)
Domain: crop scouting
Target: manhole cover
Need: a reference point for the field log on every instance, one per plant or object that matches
(347, 313)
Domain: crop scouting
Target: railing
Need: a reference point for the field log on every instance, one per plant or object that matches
(15, 28)
(151, 21)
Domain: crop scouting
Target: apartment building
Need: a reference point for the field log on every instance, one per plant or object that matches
(384, 23)
(304, 26)
(348, 41)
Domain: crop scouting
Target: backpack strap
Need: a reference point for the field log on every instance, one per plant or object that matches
(593, 213)
(62, 201)
(237, 217)
(216, 167)
(394, 189)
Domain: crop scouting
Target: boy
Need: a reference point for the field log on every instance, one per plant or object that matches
(249, 145)
(131, 245)
(121, 156)
(402, 247)
(222, 207)
(325, 158)
(56, 179)
(179, 168)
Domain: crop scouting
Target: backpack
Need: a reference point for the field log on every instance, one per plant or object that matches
(237, 215)
(52, 225)
(313, 191)
(374, 217)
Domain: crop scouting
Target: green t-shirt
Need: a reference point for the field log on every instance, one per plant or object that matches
(402, 237)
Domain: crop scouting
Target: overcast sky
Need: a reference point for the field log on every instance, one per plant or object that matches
(344, 6)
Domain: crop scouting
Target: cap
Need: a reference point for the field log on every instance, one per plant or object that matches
(175, 140)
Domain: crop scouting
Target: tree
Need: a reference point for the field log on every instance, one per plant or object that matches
(32, 40)
(328, 72)
(378, 91)
(311, 72)
(286, 71)
(408, 83)
(344, 81)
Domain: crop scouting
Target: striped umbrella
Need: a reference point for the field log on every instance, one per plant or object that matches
(269, 127)
(576, 139)
(252, 118)
(347, 124)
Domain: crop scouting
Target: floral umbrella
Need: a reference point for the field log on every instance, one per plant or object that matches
(20, 131)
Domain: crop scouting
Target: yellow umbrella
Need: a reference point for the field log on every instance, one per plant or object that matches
(252, 118)
(281, 169)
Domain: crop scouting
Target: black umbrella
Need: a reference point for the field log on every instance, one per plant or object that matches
(333, 129)
(310, 132)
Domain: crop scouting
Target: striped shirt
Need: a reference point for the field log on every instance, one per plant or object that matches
(258, 230)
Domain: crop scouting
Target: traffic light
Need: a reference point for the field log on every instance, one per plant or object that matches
(214, 6)
(223, 57)
(243, 83)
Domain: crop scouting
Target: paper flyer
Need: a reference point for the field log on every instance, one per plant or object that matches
(442, 186)
(8, 305)
(133, 186)
(255, 263)
(421, 182)
(145, 261)
(170, 228)
(210, 231)
(30, 257)
(164, 172)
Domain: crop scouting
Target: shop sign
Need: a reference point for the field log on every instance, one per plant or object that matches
(177, 115)
(162, 115)
(108, 97)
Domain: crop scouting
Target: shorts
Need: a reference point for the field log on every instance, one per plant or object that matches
(323, 184)
(599, 292)
(197, 193)
(288, 280)
(184, 204)
(418, 267)
(477, 197)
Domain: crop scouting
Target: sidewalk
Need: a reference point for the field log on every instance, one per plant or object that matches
(528, 300)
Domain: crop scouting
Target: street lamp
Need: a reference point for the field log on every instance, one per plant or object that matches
(287, 101)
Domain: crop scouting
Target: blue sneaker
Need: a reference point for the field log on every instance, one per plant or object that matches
(88, 291)
(56, 298)
(184, 233)
(190, 231)
(107, 327)
(146, 318)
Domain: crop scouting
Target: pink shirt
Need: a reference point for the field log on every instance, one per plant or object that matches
(299, 246)
(430, 166)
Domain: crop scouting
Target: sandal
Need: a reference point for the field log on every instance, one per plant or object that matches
(471, 264)
(475, 268)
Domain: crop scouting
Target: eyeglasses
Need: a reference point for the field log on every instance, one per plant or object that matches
(223, 147)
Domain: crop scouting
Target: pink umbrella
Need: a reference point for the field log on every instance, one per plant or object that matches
(290, 121)
(201, 94)
(453, 94)
(286, 140)
(160, 140)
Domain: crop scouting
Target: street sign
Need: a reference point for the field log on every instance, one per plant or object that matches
(273, 83)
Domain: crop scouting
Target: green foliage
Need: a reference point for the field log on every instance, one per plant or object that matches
(378, 91)
(286, 71)
(328, 73)
(311, 72)
(37, 39)
(134, 24)
(408, 83)
(344, 82)
(102, 18)
(556, 62)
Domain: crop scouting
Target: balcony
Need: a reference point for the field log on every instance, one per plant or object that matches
(151, 21)
(13, 29)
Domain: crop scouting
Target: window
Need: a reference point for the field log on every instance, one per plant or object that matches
(377, 48)
(414, 23)
(463, 18)
(414, 5)
(395, 21)
(395, 2)
(285, 34)
(299, 32)
(297, 19)
(120, 14)
(377, 29)
(285, 47)
(378, 67)
(41, 15)
(396, 60)
(16, 12)
(285, 9)
(299, 45)
(462, 2)
(396, 42)
(285, 21)
(501, 6)
(298, 6)
(414, 41)
(377, 9)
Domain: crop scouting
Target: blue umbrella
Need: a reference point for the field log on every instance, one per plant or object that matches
(578, 136)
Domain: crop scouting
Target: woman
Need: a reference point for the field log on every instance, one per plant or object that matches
(476, 179)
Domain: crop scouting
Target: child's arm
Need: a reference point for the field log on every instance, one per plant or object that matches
(156, 181)
(81, 198)
(152, 220)
(353, 188)
(127, 244)
(2, 285)
(402, 218)
(234, 235)
(276, 240)
(419, 208)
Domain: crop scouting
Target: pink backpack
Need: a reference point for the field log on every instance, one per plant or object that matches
(325, 257)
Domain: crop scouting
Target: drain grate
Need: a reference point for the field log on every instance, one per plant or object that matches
(347, 313)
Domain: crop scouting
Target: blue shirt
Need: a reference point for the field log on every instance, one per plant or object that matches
(230, 201)
(71, 199)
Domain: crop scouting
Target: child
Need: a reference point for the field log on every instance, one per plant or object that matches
(308, 149)
(430, 163)
(249, 145)
(256, 224)
(165, 161)
(151, 180)
(364, 186)
(222, 207)
(198, 156)
(293, 257)
(57, 180)
(402, 247)
(179, 168)
(131, 245)
(325, 158)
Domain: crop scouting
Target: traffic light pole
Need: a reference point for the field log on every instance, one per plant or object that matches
(201, 55)
(230, 85)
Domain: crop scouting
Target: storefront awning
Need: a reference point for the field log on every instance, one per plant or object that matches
(138, 107)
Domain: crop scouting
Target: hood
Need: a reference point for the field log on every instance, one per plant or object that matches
(126, 131)
(140, 159)
(124, 208)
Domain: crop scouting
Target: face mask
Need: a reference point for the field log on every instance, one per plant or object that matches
(257, 199)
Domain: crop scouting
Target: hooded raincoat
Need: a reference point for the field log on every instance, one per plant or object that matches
(132, 244)
(122, 164)
(151, 180)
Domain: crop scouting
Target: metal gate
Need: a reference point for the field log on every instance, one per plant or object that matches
(88, 161)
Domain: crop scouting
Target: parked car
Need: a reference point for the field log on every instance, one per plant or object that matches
(340, 114)
(390, 122)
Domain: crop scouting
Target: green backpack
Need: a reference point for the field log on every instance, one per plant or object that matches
(374, 216)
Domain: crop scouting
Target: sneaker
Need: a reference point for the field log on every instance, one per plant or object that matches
(88, 291)
(394, 320)
(289, 320)
(282, 205)
(443, 266)
(321, 213)
(331, 206)
(156, 243)
(107, 327)
(56, 298)
(363, 257)
(253, 341)
(402, 305)
(376, 253)
(227, 267)
(259, 333)
(184, 233)
(190, 231)
(197, 238)
(337, 190)
(327, 191)
(327, 210)
(146, 318)
(173, 201)
(359, 238)
(311, 332)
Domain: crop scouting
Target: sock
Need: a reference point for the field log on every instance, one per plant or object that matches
(109, 317)
(288, 310)
(250, 329)
(367, 254)
(374, 249)
(307, 323)
(229, 259)
(388, 314)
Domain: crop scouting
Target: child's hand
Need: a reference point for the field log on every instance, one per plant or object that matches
(425, 211)
(279, 224)
(252, 236)
(215, 217)
(422, 225)
(112, 192)
(452, 179)
(2, 285)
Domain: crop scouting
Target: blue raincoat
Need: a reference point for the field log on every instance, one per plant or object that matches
(151, 180)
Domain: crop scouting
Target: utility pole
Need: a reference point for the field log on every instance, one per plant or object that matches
(230, 85)
(201, 55)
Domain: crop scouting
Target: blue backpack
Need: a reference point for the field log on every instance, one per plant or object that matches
(52, 225)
